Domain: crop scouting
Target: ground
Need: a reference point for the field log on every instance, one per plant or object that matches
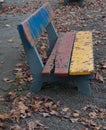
(92, 16)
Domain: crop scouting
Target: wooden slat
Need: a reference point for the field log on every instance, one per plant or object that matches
(82, 58)
(58, 62)
(50, 62)
(62, 60)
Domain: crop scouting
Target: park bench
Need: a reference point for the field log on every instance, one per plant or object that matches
(80, 2)
(70, 54)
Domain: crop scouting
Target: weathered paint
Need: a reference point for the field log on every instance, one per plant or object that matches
(50, 62)
(33, 26)
(82, 58)
(52, 37)
(58, 62)
(62, 60)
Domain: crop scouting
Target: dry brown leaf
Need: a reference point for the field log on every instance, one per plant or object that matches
(36, 105)
(99, 76)
(4, 116)
(7, 80)
(74, 120)
(45, 114)
(76, 113)
(2, 125)
(31, 125)
(93, 124)
(92, 115)
(15, 127)
(22, 109)
(18, 65)
(15, 114)
(97, 42)
(104, 127)
(11, 95)
(103, 64)
(97, 127)
(49, 105)
(10, 40)
(65, 109)
(85, 108)
(54, 113)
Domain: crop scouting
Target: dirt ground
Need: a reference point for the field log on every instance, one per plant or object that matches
(92, 16)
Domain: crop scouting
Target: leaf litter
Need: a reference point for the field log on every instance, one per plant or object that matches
(22, 107)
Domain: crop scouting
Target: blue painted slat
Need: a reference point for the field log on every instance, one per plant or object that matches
(33, 26)
(22, 35)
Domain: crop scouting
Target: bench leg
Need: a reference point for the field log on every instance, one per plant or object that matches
(36, 83)
(83, 84)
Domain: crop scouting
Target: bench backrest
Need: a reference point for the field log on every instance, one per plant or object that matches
(31, 29)
(36, 23)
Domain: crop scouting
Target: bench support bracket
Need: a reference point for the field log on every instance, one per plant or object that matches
(81, 82)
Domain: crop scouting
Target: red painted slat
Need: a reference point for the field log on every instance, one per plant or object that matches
(50, 63)
(62, 60)
(59, 59)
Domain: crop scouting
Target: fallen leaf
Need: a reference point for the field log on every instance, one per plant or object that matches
(103, 64)
(49, 105)
(11, 95)
(35, 124)
(45, 114)
(97, 42)
(7, 25)
(7, 80)
(10, 40)
(54, 113)
(76, 113)
(65, 109)
(92, 115)
(97, 127)
(99, 76)
(2, 125)
(18, 65)
(23, 109)
(104, 127)
(4, 116)
(74, 120)
(15, 127)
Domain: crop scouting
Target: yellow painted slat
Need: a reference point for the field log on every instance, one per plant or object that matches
(82, 58)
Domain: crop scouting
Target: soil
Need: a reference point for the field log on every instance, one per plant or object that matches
(11, 47)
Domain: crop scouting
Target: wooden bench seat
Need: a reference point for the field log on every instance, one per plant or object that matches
(59, 60)
(70, 54)
(78, 45)
(82, 61)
